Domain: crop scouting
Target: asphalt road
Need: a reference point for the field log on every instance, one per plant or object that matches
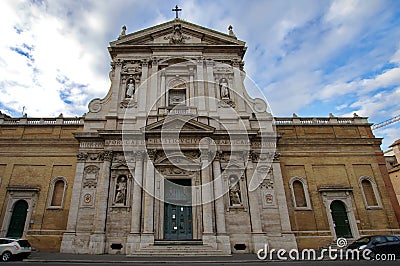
(171, 261)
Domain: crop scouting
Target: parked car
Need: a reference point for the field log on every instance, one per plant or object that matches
(14, 249)
(378, 244)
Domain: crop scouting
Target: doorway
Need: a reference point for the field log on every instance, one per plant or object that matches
(340, 219)
(178, 221)
(18, 219)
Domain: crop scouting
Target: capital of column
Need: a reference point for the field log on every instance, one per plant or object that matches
(107, 156)
(151, 153)
(139, 155)
(200, 60)
(209, 63)
(118, 62)
(154, 61)
(145, 63)
(82, 156)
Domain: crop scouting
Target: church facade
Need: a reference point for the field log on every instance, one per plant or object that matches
(177, 159)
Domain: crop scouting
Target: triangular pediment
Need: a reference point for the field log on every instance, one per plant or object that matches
(176, 32)
(178, 124)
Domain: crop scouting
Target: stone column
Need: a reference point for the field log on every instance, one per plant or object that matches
(147, 237)
(97, 239)
(201, 101)
(223, 242)
(207, 200)
(69, 235)
(133, 239)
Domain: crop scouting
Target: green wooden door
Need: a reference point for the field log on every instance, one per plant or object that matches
(178, 210)
(340, 219)
(18, 218)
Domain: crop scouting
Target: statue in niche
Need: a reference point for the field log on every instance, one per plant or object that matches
(130, 89)
(223, 87)
(120, 195)
(234, 191)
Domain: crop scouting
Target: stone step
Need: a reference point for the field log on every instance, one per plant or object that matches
(178, 250)
(177, 242)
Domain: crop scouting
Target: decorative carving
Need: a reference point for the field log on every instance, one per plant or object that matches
(207, 155)
(127, 103)
(145, 63)
(236, 62)
(277, 156)
(219, 156)
(255, 157)
(267, 156)
(234, 191)
(93, 156)
(139, 155)
(120, 190)
(91, 172)
(259, 106)
(82, 156)
(177, 37)
(173, 171)
(192, 154)
(223, 70)
(119, 158)
(95, 106)
(226, 103)
(151, 153)
(118, 62)
(87, 198)
(106, 156)
(132, 67)
(267, 183)
(90, 184)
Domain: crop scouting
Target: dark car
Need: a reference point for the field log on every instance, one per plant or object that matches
(378, 244)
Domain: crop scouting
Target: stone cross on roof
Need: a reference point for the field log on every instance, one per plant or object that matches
(176, 9)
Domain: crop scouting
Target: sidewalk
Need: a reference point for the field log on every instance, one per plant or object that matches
(38, 256)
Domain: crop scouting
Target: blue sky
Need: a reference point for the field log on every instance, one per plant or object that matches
(311, 58)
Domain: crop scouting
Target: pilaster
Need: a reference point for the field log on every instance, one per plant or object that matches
(133, 239)
(147, 236)
(69, 235)
(97, 239)
(201, 101)
(223, 242)
(211, 86)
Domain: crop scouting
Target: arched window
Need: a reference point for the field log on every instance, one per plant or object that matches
(370, 192)
(298, 187)
(299, 195)
(57, 193)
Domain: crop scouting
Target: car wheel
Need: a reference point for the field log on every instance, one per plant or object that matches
(6, 256)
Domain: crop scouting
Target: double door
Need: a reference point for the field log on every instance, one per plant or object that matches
(178, 220)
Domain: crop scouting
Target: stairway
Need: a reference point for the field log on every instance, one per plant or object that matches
(178, 249)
